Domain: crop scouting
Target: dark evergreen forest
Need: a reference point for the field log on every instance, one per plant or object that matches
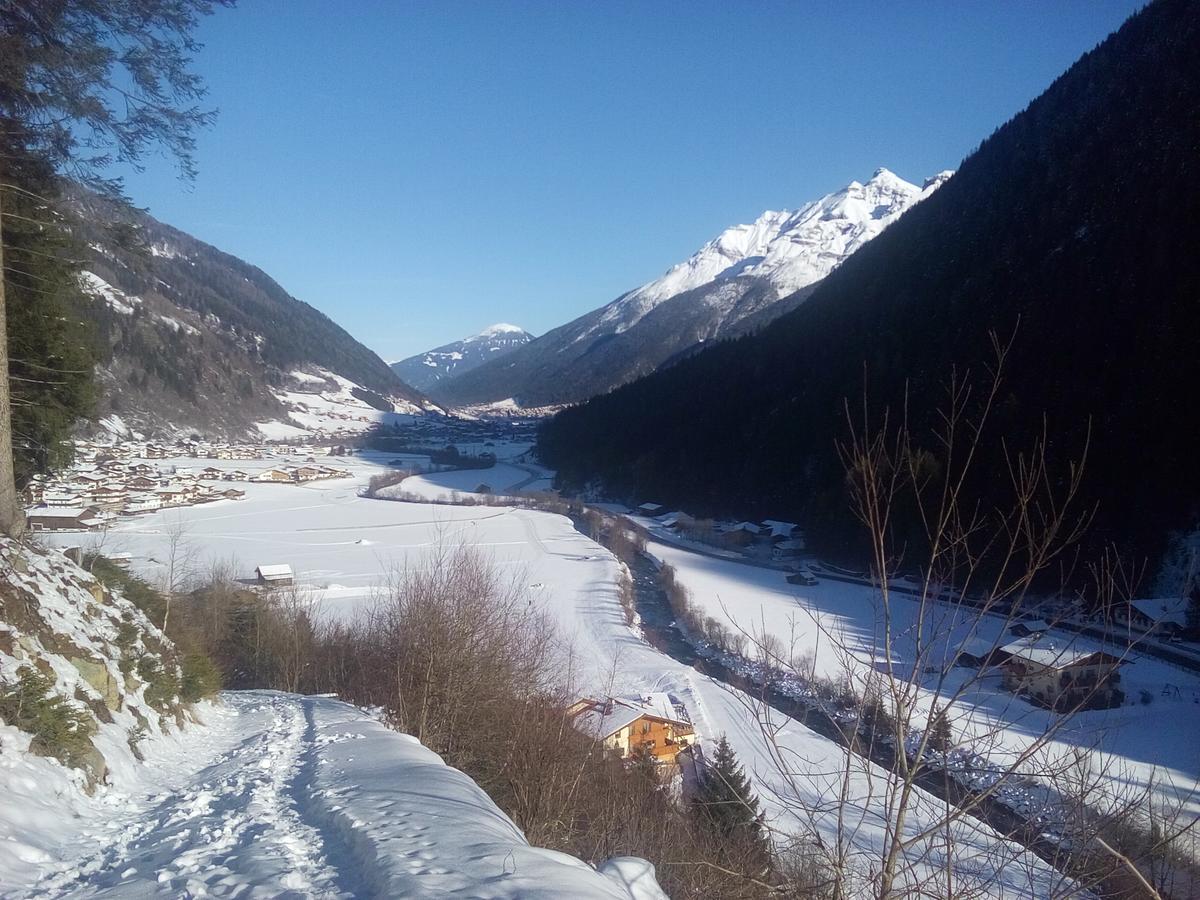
(1073, 230)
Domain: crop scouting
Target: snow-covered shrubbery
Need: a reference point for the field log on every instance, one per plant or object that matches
(457, 655)
(84, 673)
(56, 728)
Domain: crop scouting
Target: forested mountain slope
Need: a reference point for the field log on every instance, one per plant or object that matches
(1074, 227)
(190, 337)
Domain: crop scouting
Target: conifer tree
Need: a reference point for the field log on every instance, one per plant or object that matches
(84, 85)
(726, 801)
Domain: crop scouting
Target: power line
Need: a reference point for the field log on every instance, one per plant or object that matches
(22, 272)
(26, 192)
(33, 365)
(12, 215)
(66, 259)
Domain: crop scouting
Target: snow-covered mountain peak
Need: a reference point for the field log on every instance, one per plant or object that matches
(425, 370)
(886, 177)
(936, 181)
(739, 281)
(790, 249)
(492, 331)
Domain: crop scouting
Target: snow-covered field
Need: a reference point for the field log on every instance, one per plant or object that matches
(326, 405)
(349, 547)
(282, 795)
(504, 477)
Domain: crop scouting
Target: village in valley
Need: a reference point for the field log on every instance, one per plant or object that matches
(113, 480)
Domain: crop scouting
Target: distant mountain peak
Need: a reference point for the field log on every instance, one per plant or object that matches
(791, 249)
(886, 176)
(498, 329)
(427, 369)
(936, 181)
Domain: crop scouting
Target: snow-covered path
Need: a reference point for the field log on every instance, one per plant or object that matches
(238, 822)
(289, 796)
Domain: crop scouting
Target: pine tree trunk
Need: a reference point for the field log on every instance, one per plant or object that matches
(12, 516)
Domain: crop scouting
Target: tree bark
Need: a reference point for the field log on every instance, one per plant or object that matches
(12, 516)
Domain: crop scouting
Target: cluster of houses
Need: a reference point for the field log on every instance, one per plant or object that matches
(626, 727)
(769, 538)
(107, 482)
(284, 474)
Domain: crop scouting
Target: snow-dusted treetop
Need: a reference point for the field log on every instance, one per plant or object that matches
(790, 249)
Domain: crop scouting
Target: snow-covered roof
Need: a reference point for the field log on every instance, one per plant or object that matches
(748, 527)
(601, 722)
(1046, 650)
(274, 571)
(57, 512)
(780, 529)
(1033, 624)
(604, 718)
(973, 646)
(1163, 610)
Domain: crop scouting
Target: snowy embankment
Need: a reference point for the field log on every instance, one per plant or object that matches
(279, 794)
(112, 785)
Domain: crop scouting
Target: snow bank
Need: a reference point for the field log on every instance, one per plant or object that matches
(284, 795)
(417, 828)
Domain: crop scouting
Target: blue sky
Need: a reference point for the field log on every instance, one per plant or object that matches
(420, 171)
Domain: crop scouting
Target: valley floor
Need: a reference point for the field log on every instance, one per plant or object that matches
(346, 549)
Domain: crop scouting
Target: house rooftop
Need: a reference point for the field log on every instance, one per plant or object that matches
(274, 571)
(1050, 652)
(57, 512)
(778, 528)
(604, 718)
(748, 527)
(1163, 610)
(1033, 624)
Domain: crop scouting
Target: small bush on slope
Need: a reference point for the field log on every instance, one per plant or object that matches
(57, 728)
(199, 676)
(137, 591)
